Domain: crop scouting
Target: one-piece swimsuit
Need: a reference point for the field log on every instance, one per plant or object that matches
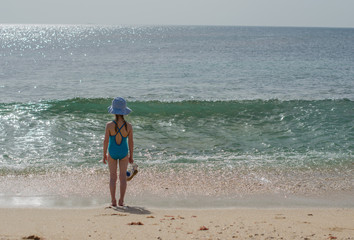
(118, 151)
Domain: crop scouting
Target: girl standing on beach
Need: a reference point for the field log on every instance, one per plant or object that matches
(119, 142)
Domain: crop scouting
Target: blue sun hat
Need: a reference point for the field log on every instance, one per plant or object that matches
(119, 106)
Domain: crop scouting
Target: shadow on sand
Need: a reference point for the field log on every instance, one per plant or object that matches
(131, 209)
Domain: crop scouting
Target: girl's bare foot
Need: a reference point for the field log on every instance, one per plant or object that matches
(114, 203)
(121, 203)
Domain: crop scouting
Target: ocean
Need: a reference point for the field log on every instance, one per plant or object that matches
(223, 116)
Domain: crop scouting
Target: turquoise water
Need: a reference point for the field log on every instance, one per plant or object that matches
(296, 133)
(224, 114)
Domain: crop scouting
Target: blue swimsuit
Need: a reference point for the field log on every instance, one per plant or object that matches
(118, 151)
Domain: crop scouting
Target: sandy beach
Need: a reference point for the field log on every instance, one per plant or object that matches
(140, 223)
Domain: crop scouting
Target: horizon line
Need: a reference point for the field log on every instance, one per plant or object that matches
(178, 25)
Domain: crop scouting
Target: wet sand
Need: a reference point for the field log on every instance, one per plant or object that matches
(142, 223)
(183, 188)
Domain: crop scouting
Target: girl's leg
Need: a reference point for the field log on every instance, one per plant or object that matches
(123, 165)
(112, 164)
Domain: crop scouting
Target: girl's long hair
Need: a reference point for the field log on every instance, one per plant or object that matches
(117, 117)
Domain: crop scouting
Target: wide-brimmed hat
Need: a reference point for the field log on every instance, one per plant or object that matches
(119, 106)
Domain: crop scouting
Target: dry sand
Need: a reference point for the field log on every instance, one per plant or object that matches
(140, 223)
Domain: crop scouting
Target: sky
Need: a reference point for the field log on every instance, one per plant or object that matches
(308, 13)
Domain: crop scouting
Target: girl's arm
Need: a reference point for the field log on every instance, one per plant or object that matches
(131, 145)
(105, 144)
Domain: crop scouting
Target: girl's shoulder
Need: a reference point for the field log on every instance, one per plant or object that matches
(129, 126)
(110, 124)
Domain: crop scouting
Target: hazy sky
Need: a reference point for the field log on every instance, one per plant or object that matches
(320, 13)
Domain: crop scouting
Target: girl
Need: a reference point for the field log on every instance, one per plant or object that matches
(119, 141)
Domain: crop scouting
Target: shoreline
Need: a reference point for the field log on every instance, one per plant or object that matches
(171, 189)
(155, 223)
(263, 201)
